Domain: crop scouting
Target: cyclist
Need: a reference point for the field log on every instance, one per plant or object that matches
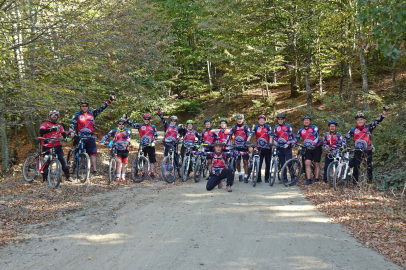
(310, 136)
(83, 123)
(219, 169)
(264, 135)
(208, 137)
(241, 133)
(122, 138)
(171, 130)
(53, 130)
(283, 137)
(222, 132)
(148, 135)
(331, 140)
(189, 136)
(362, 134)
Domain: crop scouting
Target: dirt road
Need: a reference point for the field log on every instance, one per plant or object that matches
(185, 227)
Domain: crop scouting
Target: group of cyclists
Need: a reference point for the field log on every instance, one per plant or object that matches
(219, 143)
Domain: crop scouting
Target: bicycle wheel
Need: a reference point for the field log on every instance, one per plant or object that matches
(274, 171)
(293, 170)
(140, 169)
(184, 171)
(331, 169)
(112, 169)
(54, 172)
(83, 169)
(205, 168)
(168, 169)
(198, 169)
(339, 179)
(70, 161)
(30, 168)
(255, 170)
(363, 172)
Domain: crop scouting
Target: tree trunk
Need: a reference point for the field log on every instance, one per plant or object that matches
(395, 84)
(208, 72)
(4, 147)
(363, 71)
(308, 63)
(294, 88)
(342, 72)
(267, 87)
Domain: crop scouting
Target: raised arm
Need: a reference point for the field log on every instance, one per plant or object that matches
(97, 111)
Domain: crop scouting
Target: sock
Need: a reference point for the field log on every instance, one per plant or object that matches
(245, 175)
(118, 175)
(240, 173)
(123, 175)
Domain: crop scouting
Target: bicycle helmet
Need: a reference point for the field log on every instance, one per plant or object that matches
(51, 112)
(190, 122)
(223, 120)
(307, 117)
(207, 120)
(332, 122)
(84, 101)
(173, 117)
(359, 115)
(239, 116)
(280, 115)
(121, 120)
(146, 116)
(216, 142)
(262, 116)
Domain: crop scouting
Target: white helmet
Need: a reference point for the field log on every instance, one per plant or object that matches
(51, 112)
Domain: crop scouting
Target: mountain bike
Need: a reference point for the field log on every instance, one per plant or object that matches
(140, 167)
(113, 162)
(188, 162)
(33, 167)
(293, 167)
(253, 163)
(201, 164)
(78, 160)
(170, 163)
(275, 166)
(344, 171)
(337, 156)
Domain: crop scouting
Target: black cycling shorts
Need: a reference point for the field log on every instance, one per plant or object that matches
(314, 154)
(243, 149)
(150, 152)
(123, 153)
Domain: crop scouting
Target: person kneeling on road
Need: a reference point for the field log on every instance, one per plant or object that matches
(219, 170)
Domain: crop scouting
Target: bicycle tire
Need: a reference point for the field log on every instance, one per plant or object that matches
(331, 169)
(112, 169)
(205, 168)
(294, 172)
(83, 169)
(168, 173)
(54, 172)
(70, 161)
(255, 170)
(185, 168)
(274, 172)
(198, 169)
(140, 169)
(30, 168)
(338, 181)
(363, 171)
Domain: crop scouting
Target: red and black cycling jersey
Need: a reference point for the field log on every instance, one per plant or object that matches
(171, 132)
(310, 136)
(241, 133)
(207, 136)
(45, 131)
(362, 135)
(263, 134)
(283, 134)
(222, 135)
(121, 138)
(332, 140)
(218, 160)
(148, 133)
(190, 135)
(83, 123)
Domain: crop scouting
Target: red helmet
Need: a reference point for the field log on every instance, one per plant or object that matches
(262, 116)
(146, 116)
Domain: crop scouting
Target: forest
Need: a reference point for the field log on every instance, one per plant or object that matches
(180, 54)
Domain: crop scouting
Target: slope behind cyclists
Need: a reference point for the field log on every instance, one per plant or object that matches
(83, 124)
(331, 140)
(148, 135)
(362, 136)
(310, 136)
(283, 137)
(53, 130)
(241, 133)
(263, 133)
(122, 138)
(171, 129)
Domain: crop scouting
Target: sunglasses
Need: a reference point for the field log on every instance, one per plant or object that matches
(147, 119)
(84, 106)
(54, 114)
(121, 124)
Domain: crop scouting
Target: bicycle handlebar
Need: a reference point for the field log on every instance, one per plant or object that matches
(51, 139)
